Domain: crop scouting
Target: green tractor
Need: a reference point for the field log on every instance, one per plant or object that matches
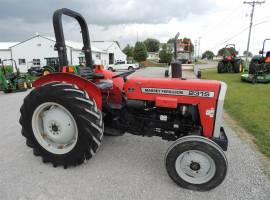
(259, 67)
(230, 62)
(52, 65)
(13, 81)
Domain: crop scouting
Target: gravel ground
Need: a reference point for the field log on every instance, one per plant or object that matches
(127, 167)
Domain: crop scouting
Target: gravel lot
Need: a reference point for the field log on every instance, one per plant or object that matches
(127, 167)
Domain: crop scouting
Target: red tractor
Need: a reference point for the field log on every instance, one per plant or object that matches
(64, 118)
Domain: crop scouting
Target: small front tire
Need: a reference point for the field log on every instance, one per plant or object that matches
(196, 163)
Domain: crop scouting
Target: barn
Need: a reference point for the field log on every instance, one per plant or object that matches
(35, 50)
(112, 49)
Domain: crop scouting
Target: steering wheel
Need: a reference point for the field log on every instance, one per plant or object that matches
(124, 74)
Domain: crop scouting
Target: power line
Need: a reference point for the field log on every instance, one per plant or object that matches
(228, 17)
(252, 4)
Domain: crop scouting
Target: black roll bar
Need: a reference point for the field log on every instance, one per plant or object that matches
(264, 42)
(13, 64)
(60, 45)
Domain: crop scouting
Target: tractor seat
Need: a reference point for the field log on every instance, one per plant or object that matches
(10, 76)
(104, 84)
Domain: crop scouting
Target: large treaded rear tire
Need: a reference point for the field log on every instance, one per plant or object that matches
(238, 66)
(220, 67)
(87, 117)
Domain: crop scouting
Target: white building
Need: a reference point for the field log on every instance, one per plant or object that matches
(153, 56)
(34, 51)
(112, 49)
(5, 52)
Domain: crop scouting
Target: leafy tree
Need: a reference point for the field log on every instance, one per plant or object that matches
(209, 55)
(165, 54)
(152, 45)
(227, 51)
(140, 52)
(249, 54)
(128, 50)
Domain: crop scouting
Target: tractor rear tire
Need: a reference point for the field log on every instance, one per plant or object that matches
(238, 66)
(22, 85)
(220, 67)
(62, 124)
(196, 163)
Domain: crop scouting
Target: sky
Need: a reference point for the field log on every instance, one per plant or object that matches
(215, 22)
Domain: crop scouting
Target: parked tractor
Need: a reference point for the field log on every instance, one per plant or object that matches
(230, 62)
(52, 65)
(13, 81)
(259, 67)
(64, 118)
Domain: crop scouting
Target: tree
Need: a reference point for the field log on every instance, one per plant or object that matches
(128, 50)
(165, 54)
(140, 52)
(249, 54)
(227, 51)
(152, 45)
(209, 55)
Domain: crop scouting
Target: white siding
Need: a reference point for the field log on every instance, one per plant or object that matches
(35, 48)
(39, 48)
(5, 54)
(118, 53)
(110, 47)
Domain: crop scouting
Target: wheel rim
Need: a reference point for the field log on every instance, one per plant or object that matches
(54, 128)
(195, 167)
(46, 72)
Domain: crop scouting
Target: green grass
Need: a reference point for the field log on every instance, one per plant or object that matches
(249, 105)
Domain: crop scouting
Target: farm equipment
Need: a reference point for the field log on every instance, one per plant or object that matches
(52, 66)
(230, 62)
(64, 118)
(259, 67)
(13, 81)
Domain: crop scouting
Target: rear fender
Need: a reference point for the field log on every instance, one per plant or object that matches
(91, 89)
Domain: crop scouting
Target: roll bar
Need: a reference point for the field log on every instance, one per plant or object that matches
(264, 42)
(233, 45)
(13, 64)
(60, 45)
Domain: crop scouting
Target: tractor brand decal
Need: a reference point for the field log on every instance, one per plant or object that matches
(210, 112)
(192, 93)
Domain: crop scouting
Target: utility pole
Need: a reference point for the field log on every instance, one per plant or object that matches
(199, 45)
(195, 50)
(252, 4)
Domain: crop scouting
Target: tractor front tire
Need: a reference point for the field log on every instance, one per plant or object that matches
(220, 67)
(22, 85)
(196, 163)
(45, 72)
(62, 124)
